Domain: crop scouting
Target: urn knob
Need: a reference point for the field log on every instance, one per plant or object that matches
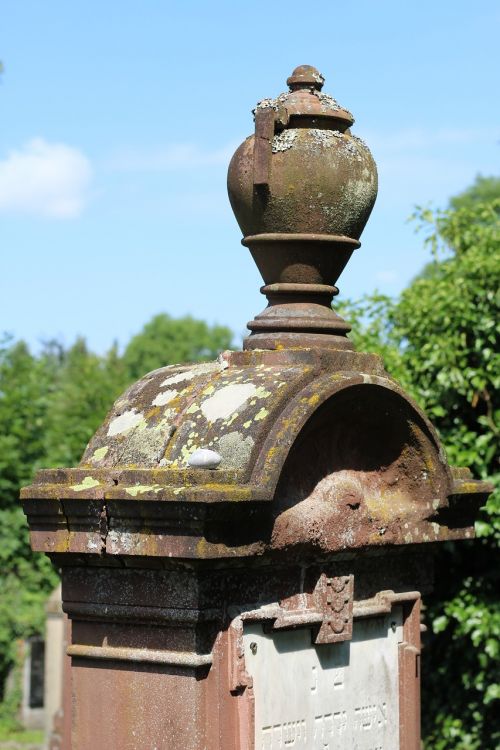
(304, 76)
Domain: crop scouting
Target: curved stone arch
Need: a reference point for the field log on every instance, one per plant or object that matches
(309, 402)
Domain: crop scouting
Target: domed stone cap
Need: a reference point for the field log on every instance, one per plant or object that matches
(313, 453)
(171, 415)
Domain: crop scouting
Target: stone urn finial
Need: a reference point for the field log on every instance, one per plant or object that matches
(302, 188)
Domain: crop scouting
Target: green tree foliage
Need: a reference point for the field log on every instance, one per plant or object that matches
(440, 339)
(50, 406)
(165, 341)
(484, 190)
(25, 579)
(86, 386)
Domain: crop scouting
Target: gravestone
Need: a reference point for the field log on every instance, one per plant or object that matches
(245, 543)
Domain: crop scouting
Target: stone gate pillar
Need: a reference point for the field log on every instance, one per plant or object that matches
(245, 543)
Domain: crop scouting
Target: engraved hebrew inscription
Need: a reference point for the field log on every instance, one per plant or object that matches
(327, 697)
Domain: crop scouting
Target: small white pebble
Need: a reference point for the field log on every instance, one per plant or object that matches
(204, 458)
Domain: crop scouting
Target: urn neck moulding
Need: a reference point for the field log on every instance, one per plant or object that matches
(302, 188)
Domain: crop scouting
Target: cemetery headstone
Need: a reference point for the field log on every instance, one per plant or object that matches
(245, 543)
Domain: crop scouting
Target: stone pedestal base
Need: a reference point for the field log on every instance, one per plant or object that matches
(270, 657)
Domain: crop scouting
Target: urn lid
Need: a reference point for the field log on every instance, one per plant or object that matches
(305, 99)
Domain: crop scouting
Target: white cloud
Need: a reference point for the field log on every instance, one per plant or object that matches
(174, 156)
(44, 179)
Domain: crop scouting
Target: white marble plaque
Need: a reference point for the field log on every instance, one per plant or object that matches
(337, 696)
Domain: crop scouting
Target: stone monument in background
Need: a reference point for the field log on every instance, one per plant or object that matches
(245, 543)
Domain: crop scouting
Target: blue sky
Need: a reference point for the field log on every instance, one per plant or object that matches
(118, 120)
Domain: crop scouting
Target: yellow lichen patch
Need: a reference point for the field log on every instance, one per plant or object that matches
(86, 484)
(140, 489)
(229, 492)
(99, 454)
(186, 451)
(261, 392)
(192, 409)
(383, 507)
(231, 419)
(202, 547)
(62, 544)
(261, 414)
(377, 538)
(468, 488)
(246, 425)
(271, 452)
(429, 461)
